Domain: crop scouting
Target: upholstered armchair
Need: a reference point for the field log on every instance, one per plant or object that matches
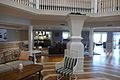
(70, 66)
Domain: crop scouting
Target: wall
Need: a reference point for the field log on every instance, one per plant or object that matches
(56, 36)
(13, 38)
(85, 36)
(24, 35)
(13, 35)
(17, 35)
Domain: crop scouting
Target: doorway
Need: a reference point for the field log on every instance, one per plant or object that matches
(98, 39)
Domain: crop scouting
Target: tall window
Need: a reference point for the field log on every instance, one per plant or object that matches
(100, 37)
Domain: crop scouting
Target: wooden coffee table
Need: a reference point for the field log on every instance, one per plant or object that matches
(27, 71)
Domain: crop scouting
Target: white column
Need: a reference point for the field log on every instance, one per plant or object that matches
(30, 37)
(76, 22)
(91, 44)
(94, 5)
(37, 4)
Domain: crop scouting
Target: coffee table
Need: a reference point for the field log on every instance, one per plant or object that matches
(26, 72)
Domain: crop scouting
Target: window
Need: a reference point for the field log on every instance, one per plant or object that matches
(65, 35)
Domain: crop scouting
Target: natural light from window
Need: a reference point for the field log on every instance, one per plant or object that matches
(65, 35)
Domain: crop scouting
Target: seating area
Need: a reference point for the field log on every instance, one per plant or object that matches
(59, 39)
(11, 58)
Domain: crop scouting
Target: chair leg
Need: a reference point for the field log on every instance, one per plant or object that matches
(75, 77)
(70, 78)
(59, 77)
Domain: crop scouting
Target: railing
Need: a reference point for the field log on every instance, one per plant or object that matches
(85, 6)
(59, 5)
(31, 3)
(108, 5)
(66, 5)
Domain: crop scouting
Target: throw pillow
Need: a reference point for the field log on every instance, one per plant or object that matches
(24, 56)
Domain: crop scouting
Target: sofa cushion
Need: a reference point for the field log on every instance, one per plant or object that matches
(11, 54)
(16, 54)
(4, 68)
(24, 56)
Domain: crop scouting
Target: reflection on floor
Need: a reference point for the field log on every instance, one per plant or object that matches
(105, 66)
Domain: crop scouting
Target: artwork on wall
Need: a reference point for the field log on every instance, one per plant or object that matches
(3, 35)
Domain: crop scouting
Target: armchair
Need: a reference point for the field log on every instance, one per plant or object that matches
(70, 66)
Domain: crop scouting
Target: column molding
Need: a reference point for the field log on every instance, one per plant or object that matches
(75, 23)
(94, 5)
(37, 4)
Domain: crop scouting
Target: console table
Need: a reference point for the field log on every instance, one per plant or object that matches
(27, 71)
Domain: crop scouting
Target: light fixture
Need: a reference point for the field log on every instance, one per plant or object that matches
(36, 32)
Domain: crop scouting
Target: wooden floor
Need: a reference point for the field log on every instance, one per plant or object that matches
(102, 66)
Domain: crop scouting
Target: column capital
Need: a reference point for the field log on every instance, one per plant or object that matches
(76, 17)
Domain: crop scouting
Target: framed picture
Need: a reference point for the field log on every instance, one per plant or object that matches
(3, 35)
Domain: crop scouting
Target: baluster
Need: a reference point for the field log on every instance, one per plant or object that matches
(44, 4)
(105, 5)
(111, 5)
(75, 6)
(54, 3)
(91, 11)
(102, 5)
(47, 4)
(79, 5)
(83, 8)
(50, 5)
(41, 4)
(118, 5)
(57, 4)
(115, 5)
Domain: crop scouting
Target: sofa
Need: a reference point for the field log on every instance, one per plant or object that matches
(9, 60)
(57, 49)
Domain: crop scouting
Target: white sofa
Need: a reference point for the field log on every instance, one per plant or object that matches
(9, 59)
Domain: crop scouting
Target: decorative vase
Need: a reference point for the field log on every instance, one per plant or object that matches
(20, 67)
